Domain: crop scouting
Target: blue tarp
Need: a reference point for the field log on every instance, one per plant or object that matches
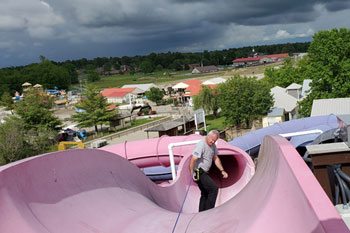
(252, 140)
(158, 172)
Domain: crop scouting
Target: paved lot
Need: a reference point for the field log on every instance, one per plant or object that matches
(64, 114)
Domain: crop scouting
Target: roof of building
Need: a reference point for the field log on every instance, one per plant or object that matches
(337, 106)
(164, 126)
(247, 59)
(280, 55)
(258, 58)
(275, 112)
(170, 124)
(116, 92)
(193, 90)
(185, 84)
(306, 87)
(217, 80)
(294, 86)
(142, 87)
(282, 99)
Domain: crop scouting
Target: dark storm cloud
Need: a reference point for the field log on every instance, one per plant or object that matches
(78, 28)
(180, 13)
(337, 5)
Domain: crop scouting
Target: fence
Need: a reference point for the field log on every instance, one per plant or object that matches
(128, 131)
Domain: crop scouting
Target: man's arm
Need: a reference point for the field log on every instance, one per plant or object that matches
(218, 164)
(193, 160)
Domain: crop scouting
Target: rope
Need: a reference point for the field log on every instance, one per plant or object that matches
(183, 203)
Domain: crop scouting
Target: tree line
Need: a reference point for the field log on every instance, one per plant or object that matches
(46, 73)
(63, 74)
(181, 61)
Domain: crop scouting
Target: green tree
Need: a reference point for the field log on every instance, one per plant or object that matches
(93, 76)
(73, 74)
(147, 66)
(7, 101)
(107, 67)
(285, 75)
(95, 108)
(244, 99)
(207, 99)
(155, 95)
(17, 142)
(13, 143)
(35, 111)
(329, 64)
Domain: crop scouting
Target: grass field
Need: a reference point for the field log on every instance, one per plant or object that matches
(158, 78)
(165, 77)
(213, 123)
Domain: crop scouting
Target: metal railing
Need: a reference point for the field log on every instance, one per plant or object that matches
(128, 131)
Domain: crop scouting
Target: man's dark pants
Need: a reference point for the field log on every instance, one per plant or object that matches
(209, 191)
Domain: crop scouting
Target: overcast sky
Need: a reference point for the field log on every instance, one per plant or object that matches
(72, 29)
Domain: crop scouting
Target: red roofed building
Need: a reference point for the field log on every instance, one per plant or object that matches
(193, 90)
(278, 57)
(249, 61)
(119, 95)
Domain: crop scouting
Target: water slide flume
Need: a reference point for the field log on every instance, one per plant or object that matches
(97, 191)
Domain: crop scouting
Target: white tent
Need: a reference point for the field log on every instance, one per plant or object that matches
(180, 85)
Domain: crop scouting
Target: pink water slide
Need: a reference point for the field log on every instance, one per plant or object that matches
(97, 191)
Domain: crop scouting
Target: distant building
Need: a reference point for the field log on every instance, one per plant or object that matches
(286, 101)
(177, 127)
(184, 84)
(275, 115)
(336, 106)
(278, 57)
(100, 70)
(247, 61)
(141, 88)
(120, 95)
(192, 66)
(205, 69)
(257, 60)
(294, 90)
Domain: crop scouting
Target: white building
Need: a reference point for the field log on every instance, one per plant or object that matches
(294, 89)
(284, 100)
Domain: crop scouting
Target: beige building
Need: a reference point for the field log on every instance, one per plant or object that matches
(276, 115)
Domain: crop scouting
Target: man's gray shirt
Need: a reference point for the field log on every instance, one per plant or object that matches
(205, 154)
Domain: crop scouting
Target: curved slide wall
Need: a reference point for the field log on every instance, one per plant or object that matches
(96, 191)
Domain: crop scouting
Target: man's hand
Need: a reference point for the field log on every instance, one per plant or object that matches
(194, 176)
(224, 174)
